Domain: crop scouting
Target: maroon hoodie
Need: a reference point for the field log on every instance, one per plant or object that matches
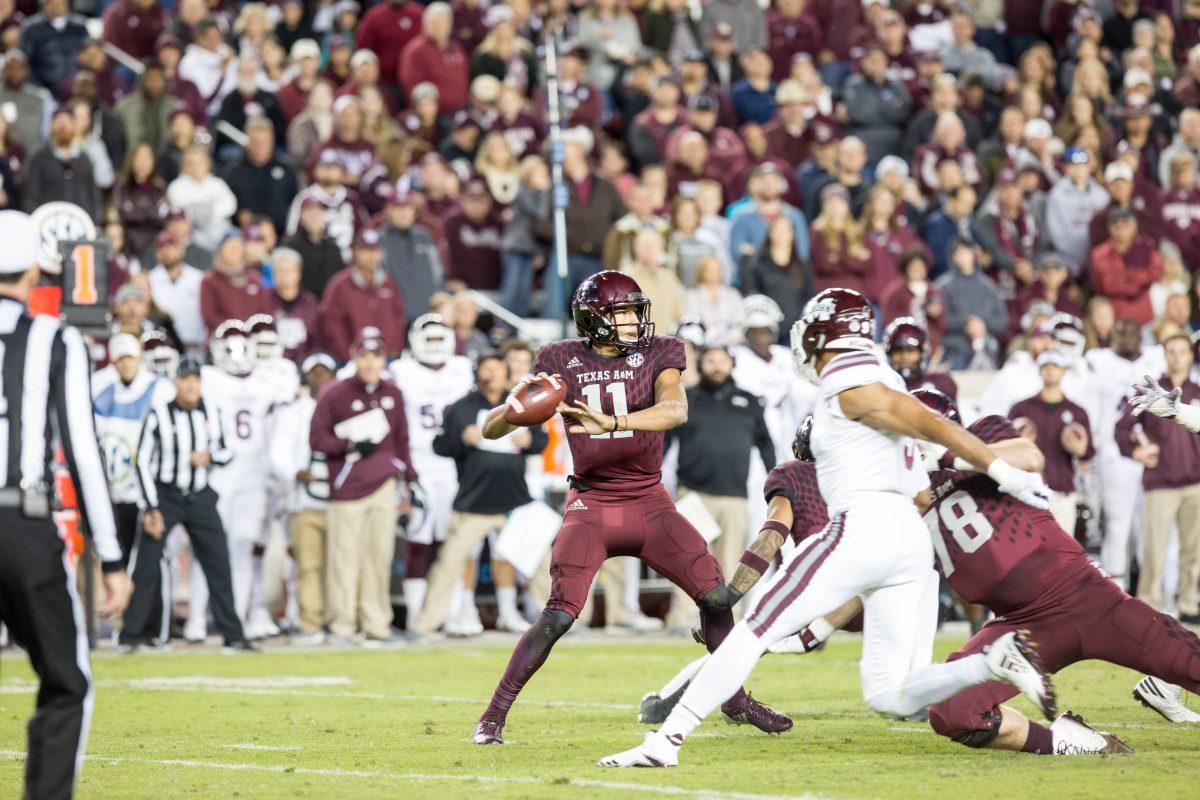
(223, 297)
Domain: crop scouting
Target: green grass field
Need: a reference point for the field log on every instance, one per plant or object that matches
(325, 724)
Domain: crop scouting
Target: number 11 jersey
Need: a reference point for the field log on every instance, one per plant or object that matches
(625, 462)
(991, 547)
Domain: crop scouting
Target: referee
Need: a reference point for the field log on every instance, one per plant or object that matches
(46, 393)
(180, 444)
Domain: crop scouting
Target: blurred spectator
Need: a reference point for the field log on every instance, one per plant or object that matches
(473, 235)
(1187, 140)
(134, 26)
(360, 296)
(748, 229)
(754, 95)
(410, 255)
(60, 170)
(1051, 285)
(618, 244)
(435, 57)
(319, 253)
(953, 220)
(611, 36)
(205, 198)
(688, 244)
(295, 308)
(131, 307)
(888, 239)
(498, 166)
(948, 143)
(230, 290)
(1061, 430)
(1171, 478)
(1118, 179)
(793, 33)
(170, 53)
(503, 54)
(144, 112)
(964, 56)
(386, 29)
(944, 98)
(710, 201)
(313, 125)
(205, 61)
(181, 134)
(657, 279)
(913, 295)
(1008, 232)
(875, 108)
(848, 173)
(262, 181)
(1175, 278)
(650, 130)
(778, 272)
(1181, 208)
(1004, 148)
(581, 101)
(247, 101)
(306, 62)
(746, 21)
(51, 40)
(724, 67)
(840, 256)
(715, 302)
(344, 208)
(975, 314)
(175, 290)
(1125, 267)
(140, 198)
(352, 150)
(97, 133)
(520, 249)
(30, 102)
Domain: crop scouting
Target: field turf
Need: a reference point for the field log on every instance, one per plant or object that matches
(294, 723)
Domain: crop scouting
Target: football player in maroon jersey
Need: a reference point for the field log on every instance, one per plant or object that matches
(624, 392)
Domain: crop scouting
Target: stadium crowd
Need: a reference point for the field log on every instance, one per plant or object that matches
(1013, 186)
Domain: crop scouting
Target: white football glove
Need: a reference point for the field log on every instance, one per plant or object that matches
(1028, 487)
(1150, 396)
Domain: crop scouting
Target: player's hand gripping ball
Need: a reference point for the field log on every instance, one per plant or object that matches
(534, 400)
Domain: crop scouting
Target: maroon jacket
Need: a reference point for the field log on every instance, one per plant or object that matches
(1179, 448)
(886, 249)
(474, 250)
(292, 99)
(422, 60)
(349, 305)
(726, 152)
(899, 301)
(133, 30)
(223, 297)
(1181, 222)
(1049, 420)
(843, 24)
(1147, 215)
(838, 267)
(297, 324)
(351, 479)
(386, 29)
(1126, 279)
(786, 37)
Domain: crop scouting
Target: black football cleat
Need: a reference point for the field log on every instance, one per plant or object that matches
(745, 710)
(488, 730)
(653, 710)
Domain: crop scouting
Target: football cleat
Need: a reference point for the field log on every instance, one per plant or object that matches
(745, 710)
(1165, 698)
(259, 625)
(656, 750)
(488, 730)
(653, 710)
(1013, 659)
(1074, 737)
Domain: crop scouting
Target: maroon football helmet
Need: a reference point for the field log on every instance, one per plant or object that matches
(906, 332)
(597, 300)
(158, 354)
(802, 444)
(939, 403)
(835, 319)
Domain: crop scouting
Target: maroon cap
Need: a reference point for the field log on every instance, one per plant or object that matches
(165, 238)
(367, 238)
(369, 339)
(824, 132)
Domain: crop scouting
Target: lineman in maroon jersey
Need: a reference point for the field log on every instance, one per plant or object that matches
(907, 345)
(624, 392)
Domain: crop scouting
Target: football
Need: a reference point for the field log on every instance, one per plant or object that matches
(535, 402)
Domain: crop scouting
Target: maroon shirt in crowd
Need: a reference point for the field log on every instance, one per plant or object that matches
(1049, 420)
(357, 156)
(886, 248)
(474, 250)
(1126, 279)
(357, 478)
(132, 29)
(386, 29)
(224, 297)
(726, 152)
(1148, 217)
(899, 301)
(297, 324)
(1181, 222)
(839, 267)
(448, 70)
(786, 37)
(797, 481)
(630, 462)
(351, 304)
(842, 21)
(1179, 448)
(522, 133)
(581, 104)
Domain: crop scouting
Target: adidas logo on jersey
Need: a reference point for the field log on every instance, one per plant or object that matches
(577, 506)
(574, 363)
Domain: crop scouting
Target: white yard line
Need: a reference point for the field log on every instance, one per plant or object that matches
(420, 777)
(270, 748)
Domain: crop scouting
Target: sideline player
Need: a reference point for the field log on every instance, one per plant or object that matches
(875, 545)
(906, 343)
(624, 393)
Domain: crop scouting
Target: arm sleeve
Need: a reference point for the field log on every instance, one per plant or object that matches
(148, 448)
(540, 440)
(71, 398)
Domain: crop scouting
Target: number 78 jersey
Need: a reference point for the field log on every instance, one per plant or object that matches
(991, 547)
(626, 461)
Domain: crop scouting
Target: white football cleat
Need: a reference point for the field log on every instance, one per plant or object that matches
(195, 630)
(1165, 698)
(1013, 659)
(513, 623)
(259, 625)
(654, 751)
(1074, 737)
(462, 627)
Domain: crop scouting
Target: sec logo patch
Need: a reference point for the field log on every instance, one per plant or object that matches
(635, 360)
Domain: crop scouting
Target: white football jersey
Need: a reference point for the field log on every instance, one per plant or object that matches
(855, 463)
(244, 404)
(282, 375)
(786, 398)
(427, 392)
(1114, 381)
(1019, 379)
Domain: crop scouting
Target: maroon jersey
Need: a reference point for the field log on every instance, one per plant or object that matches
(797, 481)
(991, 547)
(1049, 420)
(942, 381)
(627, 462)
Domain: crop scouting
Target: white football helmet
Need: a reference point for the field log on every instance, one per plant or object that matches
(159, 355)
(431, 340)
(265, 344)
(1068, 335)
(230, 348)
(760, 311)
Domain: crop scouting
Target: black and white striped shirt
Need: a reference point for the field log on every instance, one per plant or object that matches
(46, 397)
(169, 437)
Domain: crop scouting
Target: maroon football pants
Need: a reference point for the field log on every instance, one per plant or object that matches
(597, 527)
(1098, 621)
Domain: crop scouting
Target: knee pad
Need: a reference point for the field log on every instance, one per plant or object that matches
(717, 600)
(555, 622)
(977, 733)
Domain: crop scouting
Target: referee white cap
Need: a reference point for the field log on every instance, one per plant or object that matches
(20, 237)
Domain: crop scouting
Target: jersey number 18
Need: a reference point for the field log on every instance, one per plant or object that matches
(966, 523)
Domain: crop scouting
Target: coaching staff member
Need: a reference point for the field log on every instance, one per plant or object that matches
(181, 442)
(725, 425)
(46, 385)
(363, 491)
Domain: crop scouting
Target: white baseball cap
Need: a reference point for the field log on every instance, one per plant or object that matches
(20, 236)
(123, 345)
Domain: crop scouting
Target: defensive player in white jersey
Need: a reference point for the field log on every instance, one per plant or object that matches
(1020, 378)
(431, 377)
(244, 398)
(876, 545)
(266, 348)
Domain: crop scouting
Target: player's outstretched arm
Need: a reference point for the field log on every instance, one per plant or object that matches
(1021, 453)
(669, 411)
(757, 557)
(1150, 396)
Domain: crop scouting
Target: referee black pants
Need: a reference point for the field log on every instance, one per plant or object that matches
(197, 512)
(41, 607)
